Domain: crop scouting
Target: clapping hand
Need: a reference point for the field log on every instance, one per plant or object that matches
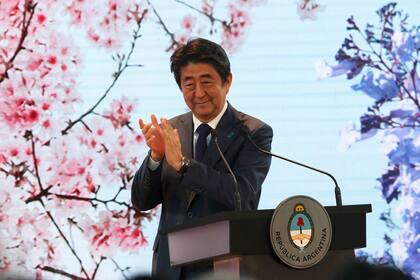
(154, 138)
(163, 141)
(173, 151)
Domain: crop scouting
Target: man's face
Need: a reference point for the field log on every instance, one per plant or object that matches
(203, 89)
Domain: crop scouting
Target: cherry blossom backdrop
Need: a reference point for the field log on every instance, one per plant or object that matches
(65, 171)
(76, 75)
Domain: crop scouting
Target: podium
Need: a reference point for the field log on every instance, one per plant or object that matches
(239, 243)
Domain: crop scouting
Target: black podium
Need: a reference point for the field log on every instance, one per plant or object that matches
(239, 242)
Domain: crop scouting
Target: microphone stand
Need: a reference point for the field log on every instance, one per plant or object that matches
(337, 190)
(237, 195)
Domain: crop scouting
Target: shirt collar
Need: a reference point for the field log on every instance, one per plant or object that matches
(214, 122)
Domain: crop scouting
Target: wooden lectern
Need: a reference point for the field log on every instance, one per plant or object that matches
(239, 243)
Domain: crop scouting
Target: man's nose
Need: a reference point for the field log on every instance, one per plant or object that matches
(199, 91)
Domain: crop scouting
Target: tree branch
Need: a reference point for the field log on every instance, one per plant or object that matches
(122, 270)
(44, 192)
(97, 267)
(30, 136)
(93, 199)
(122, 65)
(60, 272)
(389, 69)
(165, 28)
(66, 241)
(29, 8)
(209, 16)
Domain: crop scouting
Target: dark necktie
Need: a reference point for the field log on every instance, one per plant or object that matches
(203, 131)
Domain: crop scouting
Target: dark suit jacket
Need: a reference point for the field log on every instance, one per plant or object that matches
(206, 187)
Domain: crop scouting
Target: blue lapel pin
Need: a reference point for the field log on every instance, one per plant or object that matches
(230, 135)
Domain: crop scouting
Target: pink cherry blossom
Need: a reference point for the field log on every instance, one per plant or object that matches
(188, 23)
(309, 9)
(120, 114)
(233, 33)
(61, 184)
(207, 6)
(112, 231)
(105, 25)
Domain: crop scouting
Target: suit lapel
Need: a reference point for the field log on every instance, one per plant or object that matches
(185, 130)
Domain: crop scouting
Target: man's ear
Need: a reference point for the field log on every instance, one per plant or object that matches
(228, 82)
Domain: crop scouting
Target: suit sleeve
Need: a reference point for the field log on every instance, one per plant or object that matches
(250, 168)
(146, 189)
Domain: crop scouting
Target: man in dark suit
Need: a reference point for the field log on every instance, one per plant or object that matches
(183, 170)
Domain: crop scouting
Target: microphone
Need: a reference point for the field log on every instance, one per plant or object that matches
(238, 205)
(337, 188)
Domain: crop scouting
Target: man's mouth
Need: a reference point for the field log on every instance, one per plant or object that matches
(201, 102)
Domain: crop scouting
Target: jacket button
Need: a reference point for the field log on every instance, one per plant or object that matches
(190, 215)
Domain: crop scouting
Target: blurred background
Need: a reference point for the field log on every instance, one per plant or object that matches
(277, 77)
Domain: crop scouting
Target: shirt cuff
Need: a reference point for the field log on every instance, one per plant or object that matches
(152, 164)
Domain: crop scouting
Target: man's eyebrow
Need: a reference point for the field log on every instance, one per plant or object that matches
(187, 78)
(208, 76)
(205, 76)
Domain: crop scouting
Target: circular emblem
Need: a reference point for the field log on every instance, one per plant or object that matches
(300, 231)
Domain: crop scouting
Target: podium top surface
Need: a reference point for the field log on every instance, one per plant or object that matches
(265, 214)
(229, 234)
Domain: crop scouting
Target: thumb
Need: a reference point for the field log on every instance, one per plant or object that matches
(141, 123)
(154, 121)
